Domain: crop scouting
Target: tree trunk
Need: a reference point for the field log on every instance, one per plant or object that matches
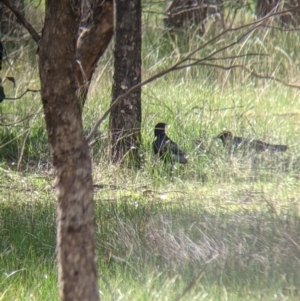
(96, 31)
(71, 160)
(126, 116)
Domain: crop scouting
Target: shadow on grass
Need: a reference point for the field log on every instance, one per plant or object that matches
(169, 241)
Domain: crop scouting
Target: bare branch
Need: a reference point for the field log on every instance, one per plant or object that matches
(22, 19)
(28, 90)
(198, 62)
(280, 28)
(257, 75)
(270, 77)
(233, 57)
(253, 26)
(174, 67)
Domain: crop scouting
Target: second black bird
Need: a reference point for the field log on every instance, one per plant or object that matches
(234, 142)
(165, 148)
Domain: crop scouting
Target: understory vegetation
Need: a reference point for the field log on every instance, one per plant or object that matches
(223, 228)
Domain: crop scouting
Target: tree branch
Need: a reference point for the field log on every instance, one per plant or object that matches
(174, 67)
(257, 75)
(26, 91)
(253, 26)
(22, 19)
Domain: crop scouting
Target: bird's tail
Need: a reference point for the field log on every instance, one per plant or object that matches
(278, 147)
(180, 158)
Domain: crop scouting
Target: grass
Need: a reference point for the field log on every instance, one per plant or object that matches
(239, 216)
(153, 240)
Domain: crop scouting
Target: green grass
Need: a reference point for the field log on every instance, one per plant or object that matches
(153, 240)
(153, 235)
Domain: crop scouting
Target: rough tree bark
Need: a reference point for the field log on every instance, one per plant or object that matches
(96, 31)
(126, 116)
(71, 160)
(64, 69)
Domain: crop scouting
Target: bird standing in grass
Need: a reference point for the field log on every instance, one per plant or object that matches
(234, 142)
(165, 148)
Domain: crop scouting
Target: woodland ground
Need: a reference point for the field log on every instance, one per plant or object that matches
(236, 217)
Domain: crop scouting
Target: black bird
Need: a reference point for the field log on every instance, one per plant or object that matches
(165, 148)
(234, 142)
(2, 94)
